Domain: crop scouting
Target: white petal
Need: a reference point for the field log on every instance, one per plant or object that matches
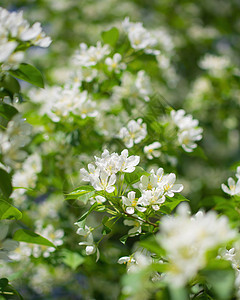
(130, 210)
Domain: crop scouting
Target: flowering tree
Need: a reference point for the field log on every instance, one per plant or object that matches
(90, 150)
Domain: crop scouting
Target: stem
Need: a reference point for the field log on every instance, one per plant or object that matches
(141, 220)
(111, 203)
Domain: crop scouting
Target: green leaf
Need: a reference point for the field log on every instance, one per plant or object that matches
(82, 193)
(221, 277)
(123, 239)
(110, 36)
(8, 290)
(171, 203)
(131, 178)
(198, 152)
(28, 73)
(72, 259)
(7, 111)
(7, 211)
(10, 84)
(28, 236)
(135, 282)
(3, 282)
(5, 183)
(178, 293)
(93, 207)
(152, 245)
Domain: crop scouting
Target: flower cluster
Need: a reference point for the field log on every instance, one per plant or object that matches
(188, 130)
(139, 37)
(50, 233)
(15, 32)
(154, 189)
(233, 187)
(152, 150)
(134, 133)
(16, 136)
(188, 238)
(115, 64)
(216, 65)
(57, 102)
(103, 176)
(87, 57)
(88, 236)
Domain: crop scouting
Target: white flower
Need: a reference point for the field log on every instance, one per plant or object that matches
(87, 57)
(26, 177)
(22, 252)
(6, 50)
(154, 197)
(131, 203)
(151, 150)
(128, 164)
(91, 175)
(134, 133)
(49, 232)
(104, 182)
(183, 121)
(238, 173)
(136, 262)
(136, 226)
(187, 138)
(97, 199)
(148, 182)
(115, 64)
(189, 132)
(15, 27)
(233, 255)
(18, 131)
(87, 234)
(108, 162)
(139, 37)
(168, 185)
(187, 239)
(16, 135)
(156, 187)
(128, 260)
(233, 187)
(216, 65)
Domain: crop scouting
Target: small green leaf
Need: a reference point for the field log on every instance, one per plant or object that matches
(93, 207)
(82, 193)
(28, 236)
(28, 73)
(171, 203)
(124, 238)
(72, 259)
(7, 211)
(5, 183)
(131, 178)
(3, 282)
(110, 36)
(7, 111)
